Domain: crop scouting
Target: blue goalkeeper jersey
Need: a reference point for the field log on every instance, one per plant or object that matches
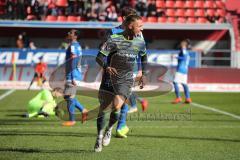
(183, 61)
(73, 65)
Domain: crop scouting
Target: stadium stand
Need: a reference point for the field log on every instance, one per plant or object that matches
(98, 10)
(212, 26)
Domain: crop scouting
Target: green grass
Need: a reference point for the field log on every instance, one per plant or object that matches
(169, 131)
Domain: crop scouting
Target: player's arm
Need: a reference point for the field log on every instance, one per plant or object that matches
(73, 62)
(184, 57)
(144, 64)
(102, 56)
(143, 56)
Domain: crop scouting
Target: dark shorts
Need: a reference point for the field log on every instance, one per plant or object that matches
(122, 86)
(122, 89)
(70, 89)
(40, 75)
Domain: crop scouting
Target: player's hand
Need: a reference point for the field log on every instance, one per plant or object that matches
(142, 81)
(111, 71)
(74, 83)
(139, 75)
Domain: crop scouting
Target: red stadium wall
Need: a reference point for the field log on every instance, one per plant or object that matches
(214, 75)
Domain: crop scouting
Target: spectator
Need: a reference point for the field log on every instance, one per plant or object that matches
(25, 40)
(10, 5)
(104, 5)
(30, 15)
(32, 45)
(141, 8)
(160, 13)
(20, 10)
(112, 14)
(152, 8)
(52, 9)
(19, 42)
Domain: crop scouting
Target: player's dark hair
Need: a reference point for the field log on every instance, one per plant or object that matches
(126, 11)
(131, 18)
(188, 43)
(76, 32)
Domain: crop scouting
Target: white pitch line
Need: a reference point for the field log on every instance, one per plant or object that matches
(215, 110)
(6, 93)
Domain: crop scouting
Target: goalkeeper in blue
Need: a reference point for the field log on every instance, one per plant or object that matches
(122, 129)
(181, 75)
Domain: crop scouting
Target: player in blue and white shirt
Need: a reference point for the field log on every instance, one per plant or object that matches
(181, 75)
(73, 76)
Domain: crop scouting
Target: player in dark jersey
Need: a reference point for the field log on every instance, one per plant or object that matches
(122, 129)
(39, 76)
(121, 51)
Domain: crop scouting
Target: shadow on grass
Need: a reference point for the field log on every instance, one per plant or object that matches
(186, 138)
(27, 120)
(46, 134)
(13, 110)
(31, 150)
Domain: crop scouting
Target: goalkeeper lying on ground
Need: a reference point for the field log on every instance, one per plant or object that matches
(43, 103)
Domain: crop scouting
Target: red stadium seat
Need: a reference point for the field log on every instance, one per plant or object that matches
(191, 20)
(209, 4)
(169, 4)
(51, 18)
(62, 3)
(180, 13)
(162, 19)
(144, 19)
(199, 4)
(211, 12)
(160, 3)
(182, 20)
(189, 4)
(62, 18)
(79, 18)
(190, 13)
(220, 4)
(152, 19)
(72, 19)
(221, 12)
(170, 12)
(201, 20)
(171, 20)
(200, 13)
(179, 4)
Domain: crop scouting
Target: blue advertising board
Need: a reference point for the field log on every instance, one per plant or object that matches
(55, 57)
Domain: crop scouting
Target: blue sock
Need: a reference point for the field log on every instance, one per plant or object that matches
(186, 90)
(176, 88)
(123, 116)
(133, 101)
(71, 109)
(78, 105)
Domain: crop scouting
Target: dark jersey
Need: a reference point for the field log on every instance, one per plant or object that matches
(121, 55)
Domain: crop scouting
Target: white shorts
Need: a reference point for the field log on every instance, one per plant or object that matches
(180, 78)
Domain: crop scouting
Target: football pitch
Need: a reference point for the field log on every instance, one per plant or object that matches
(207, 129)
